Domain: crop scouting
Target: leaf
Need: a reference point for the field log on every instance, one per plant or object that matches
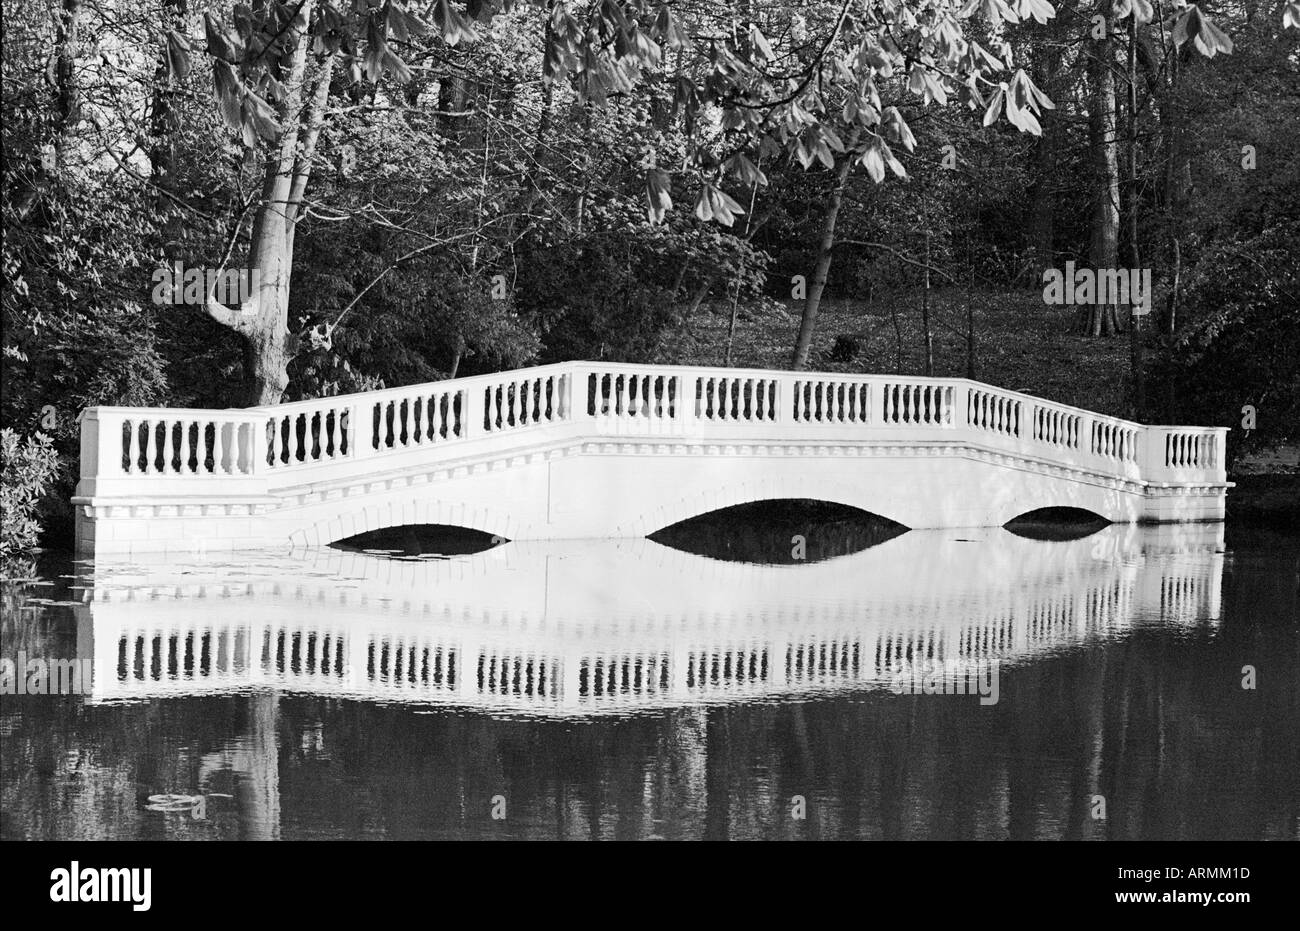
(995, 107)
(658, 200)
(1212, 39)
(668, 31)
(1196, 27)
(178, 55)
(874, 162)
(760, 43)
(221, 44)
(452, 23)
(1291, 16)
(745, 170)
(898, 129)
(875, 56)
(229, 92)
(715, 204)
(704, 206)
(916, 79)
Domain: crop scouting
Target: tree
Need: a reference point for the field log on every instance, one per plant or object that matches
(738, 93)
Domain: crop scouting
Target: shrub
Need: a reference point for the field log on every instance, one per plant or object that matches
(27, 467)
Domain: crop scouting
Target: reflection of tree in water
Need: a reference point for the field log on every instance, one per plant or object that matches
(779, 532)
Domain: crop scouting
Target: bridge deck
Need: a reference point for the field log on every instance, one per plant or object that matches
(585, 449)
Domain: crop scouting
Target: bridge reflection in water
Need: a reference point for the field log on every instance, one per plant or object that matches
(577, 628)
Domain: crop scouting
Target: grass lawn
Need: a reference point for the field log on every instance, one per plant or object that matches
(1021, 343)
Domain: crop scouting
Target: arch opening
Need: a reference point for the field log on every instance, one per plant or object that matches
(782, 531)
(1056, 523)
(420, 541)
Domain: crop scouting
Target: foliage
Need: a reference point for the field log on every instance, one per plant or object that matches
(27, 468)
(1242, 346)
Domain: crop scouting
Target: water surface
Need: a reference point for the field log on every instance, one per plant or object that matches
(626, 689)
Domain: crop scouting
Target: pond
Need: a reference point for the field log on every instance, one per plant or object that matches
(801, 676)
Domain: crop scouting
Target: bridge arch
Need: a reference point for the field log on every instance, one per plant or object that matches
(349, 517)
(866, 496)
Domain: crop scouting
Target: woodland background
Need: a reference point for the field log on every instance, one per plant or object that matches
(431, 189)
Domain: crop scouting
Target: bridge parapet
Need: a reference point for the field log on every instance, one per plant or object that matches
(250, 460)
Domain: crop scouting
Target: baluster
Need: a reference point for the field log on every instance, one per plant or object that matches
(192, 439)
(132, 447)
(146, 446)
(218, 449)
(175, 433)
(273, 442)
(417, 415)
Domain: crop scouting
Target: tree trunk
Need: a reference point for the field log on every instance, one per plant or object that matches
(262, 320)
(826, 246)
(925, 313)
(1134, 258)
(1103, 147)
(67, 89)
(1042, 214)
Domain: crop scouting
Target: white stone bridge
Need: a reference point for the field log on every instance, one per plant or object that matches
(589, 450)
